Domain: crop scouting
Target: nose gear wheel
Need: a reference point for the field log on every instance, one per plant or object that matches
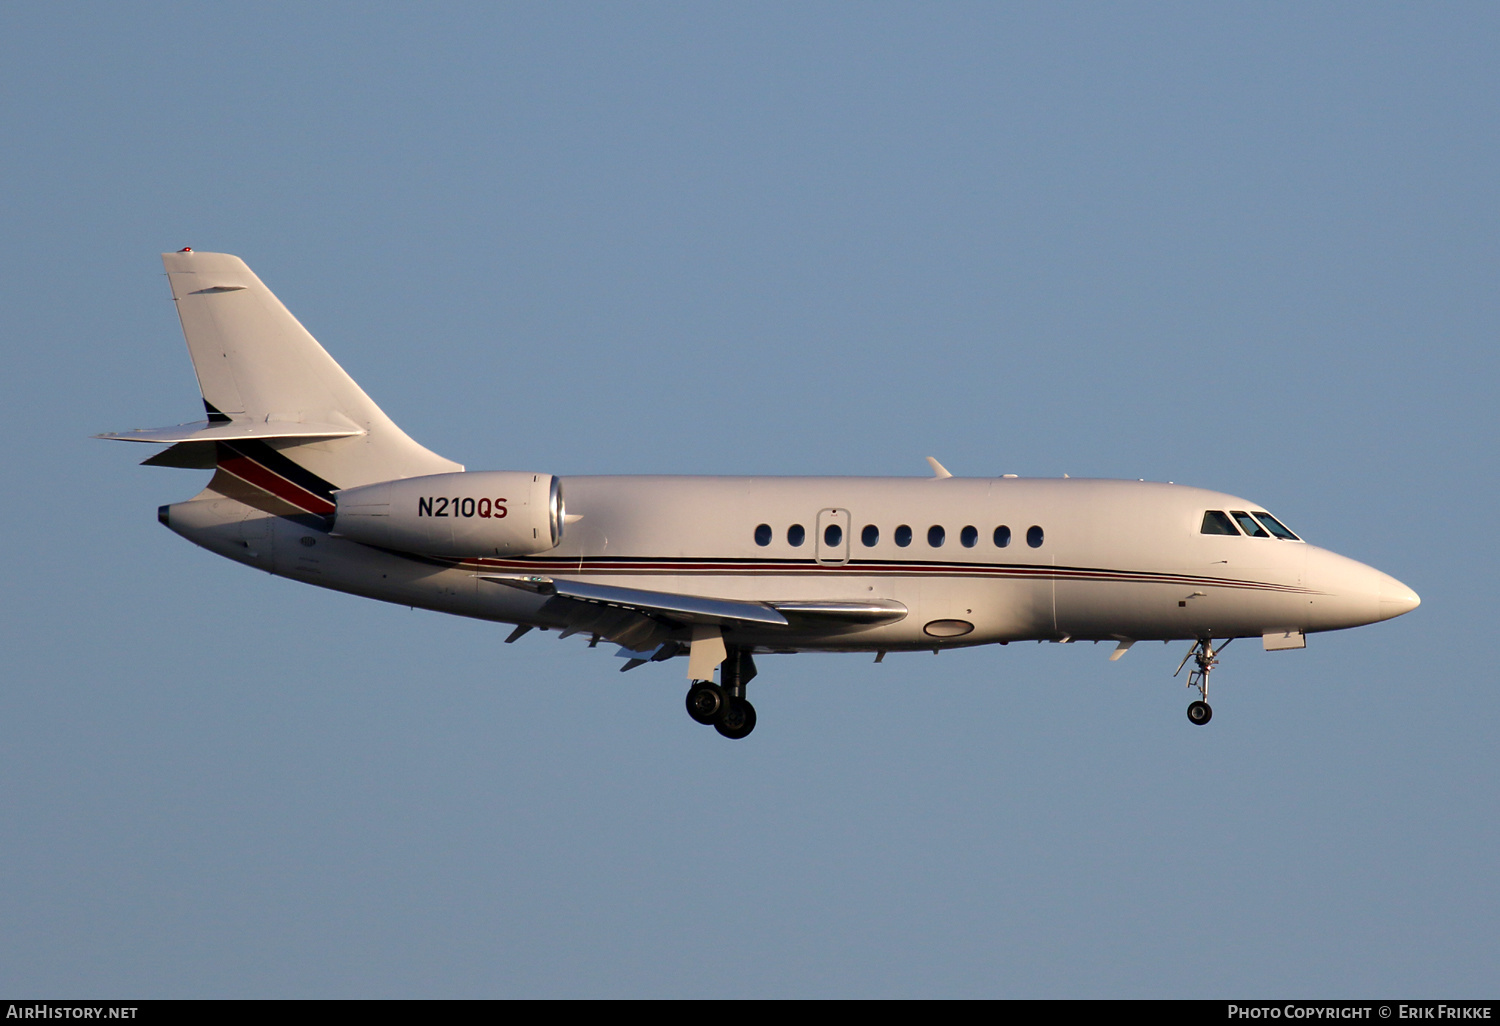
(1204, 654)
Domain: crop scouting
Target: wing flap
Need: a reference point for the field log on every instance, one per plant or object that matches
(668, 605)
(699, 609)
(836, 613)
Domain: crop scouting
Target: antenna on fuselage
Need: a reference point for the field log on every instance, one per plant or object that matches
(938, 470)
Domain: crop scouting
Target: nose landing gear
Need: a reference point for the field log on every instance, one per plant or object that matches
(1204, 654)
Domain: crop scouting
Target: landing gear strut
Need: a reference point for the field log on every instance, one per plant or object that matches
(724, 705)
(1204, 654)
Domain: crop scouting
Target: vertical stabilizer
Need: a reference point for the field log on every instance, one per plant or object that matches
(256, 364)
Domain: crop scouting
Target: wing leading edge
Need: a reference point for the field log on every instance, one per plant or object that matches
(640, 619)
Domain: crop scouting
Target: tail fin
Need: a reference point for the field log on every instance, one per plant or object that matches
(275, 393)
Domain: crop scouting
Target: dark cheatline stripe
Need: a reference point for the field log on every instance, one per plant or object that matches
(282, 465)
(256, 463)
(668, 566)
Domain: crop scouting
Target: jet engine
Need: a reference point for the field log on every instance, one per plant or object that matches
(486, 513)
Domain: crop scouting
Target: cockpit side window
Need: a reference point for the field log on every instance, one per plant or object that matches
(1248, 525)
(1275, 526)
(1215, 522)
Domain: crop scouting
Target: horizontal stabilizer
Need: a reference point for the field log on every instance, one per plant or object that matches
(186, 456)
(234, 430)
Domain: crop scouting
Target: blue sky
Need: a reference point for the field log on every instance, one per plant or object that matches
(1248, 247)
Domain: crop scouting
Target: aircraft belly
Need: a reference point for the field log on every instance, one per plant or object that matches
(994, 610)
(998, 610)
(1127, 609)
(766, 588)
(280, 545)
(308, 554)
(1191, 605)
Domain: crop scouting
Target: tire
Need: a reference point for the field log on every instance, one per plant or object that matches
(705, 701)
(736, 720)
(1200, 713)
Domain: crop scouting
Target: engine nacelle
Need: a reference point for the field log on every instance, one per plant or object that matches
(488, 513)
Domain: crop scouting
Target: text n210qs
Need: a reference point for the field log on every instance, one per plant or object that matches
(465, 506)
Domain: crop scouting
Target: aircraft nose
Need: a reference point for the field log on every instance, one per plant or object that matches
(1396, 598)
(1350, 594)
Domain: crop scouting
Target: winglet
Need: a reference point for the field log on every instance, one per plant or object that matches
(938, 470)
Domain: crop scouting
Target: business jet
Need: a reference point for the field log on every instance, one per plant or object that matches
(311, 481)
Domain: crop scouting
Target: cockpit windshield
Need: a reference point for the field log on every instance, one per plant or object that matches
(1257, 524)
(1248, 525)
(1215, 522)
(1275, 526)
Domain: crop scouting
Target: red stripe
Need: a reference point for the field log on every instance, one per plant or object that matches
(574, 567)
(253, 473)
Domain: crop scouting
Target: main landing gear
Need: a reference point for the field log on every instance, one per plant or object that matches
(724, 706)
(1204, 654)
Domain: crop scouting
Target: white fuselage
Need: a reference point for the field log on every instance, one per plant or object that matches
(1120, 560)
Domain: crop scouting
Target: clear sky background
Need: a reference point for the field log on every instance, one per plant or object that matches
(1251, 247)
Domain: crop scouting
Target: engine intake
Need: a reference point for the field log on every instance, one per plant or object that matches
(487, 513)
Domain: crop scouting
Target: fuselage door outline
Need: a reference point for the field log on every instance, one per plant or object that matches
(832, 537)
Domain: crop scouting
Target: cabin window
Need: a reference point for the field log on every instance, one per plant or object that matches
(833, 535)
(1002, 536)
(796, 535)
(763, 534)
(903, 536)
(870, 536)
(1248, 525)
(969, 536)
(1275, 526)
(936, 536)
(1215, 522)
(1034, 536)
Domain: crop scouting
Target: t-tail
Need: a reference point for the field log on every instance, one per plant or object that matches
(286, 426)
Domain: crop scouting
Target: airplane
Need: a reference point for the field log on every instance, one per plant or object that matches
(311, 481)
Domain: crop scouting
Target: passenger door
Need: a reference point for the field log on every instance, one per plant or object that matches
(832, 536)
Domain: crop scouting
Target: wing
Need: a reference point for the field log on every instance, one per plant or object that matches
(643, 621)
